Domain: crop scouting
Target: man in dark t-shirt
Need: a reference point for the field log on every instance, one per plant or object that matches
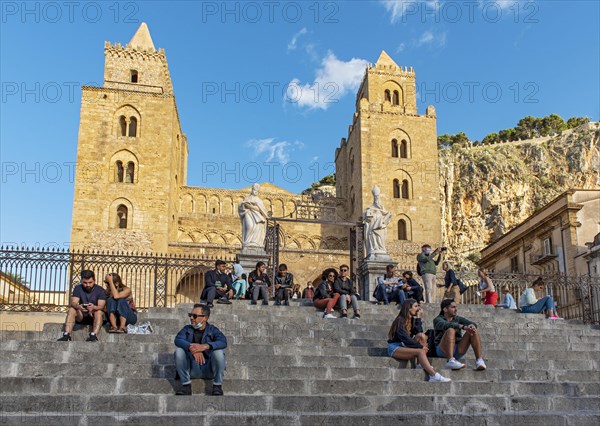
(86, 307)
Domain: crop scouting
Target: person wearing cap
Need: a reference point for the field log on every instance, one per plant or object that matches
(428, 268)
(200, 352)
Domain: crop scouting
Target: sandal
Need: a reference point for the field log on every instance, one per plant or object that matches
(113, 330)
(121, 331)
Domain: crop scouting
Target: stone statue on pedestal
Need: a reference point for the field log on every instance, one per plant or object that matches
(253, 216)
(376, 219)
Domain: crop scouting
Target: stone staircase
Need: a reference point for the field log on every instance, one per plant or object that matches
(289, 366)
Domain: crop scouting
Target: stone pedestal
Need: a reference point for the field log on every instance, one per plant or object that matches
(250, 256)
(368, 273)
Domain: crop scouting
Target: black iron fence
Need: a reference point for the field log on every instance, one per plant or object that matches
(576, 297)
(42, 280)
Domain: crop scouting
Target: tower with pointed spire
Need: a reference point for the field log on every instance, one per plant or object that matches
(391, 146)
(131, 155)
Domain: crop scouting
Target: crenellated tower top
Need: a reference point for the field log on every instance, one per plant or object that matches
(138, 66)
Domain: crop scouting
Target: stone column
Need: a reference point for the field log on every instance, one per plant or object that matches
(368, 273)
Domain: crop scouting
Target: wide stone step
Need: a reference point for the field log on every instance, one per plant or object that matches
(123, 370)
(118, 386)
(124, 405)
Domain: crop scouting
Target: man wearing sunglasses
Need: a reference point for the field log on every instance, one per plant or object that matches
(200, 352)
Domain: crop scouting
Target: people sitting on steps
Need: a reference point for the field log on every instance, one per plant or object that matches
(450, 342)
(406, 340)
(86, 306)
(347, 291)
(324, 297)
(239, 287)
(411, 287)
(308, 291)
(200, 352)
(118, 305)
(217, 283)
(387, 289)
(530, 304)
(259, 282)
(508, 302)
(284, 285)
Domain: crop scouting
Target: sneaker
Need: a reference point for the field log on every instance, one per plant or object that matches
(437, 377)
(92, 338)
(223, 301)
(217, 390)
(480, 364)
(286, 303)
(329, 316)
(344, 315)
(66, 337)
(253, 302)
(555, 317)
(185, 390)
(210, 305)
(278, 303)
(357, 316)
(453, 364)
(265, 303)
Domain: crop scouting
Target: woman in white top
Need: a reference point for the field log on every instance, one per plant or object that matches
(530, 304)
(486, 287)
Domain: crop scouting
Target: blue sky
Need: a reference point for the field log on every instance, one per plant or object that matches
(275, 82)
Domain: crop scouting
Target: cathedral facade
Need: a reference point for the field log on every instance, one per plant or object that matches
(131, 191)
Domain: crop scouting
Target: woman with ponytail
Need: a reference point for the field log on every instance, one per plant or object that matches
(407, 341)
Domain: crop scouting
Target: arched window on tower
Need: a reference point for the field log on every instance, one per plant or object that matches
(130, 172)
(122, 126)
(352, 164)
(396, 98)
(405, 189)
(394, 148)
(396, 188)
(387, 95)
(134, 76)
(119, 171)
(403, 149)
(132, 127)
(122, 216)
(402, 234)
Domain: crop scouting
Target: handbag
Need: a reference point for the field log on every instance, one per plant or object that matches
(461, 286)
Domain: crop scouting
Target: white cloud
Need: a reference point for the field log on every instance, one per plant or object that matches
(292, 44)
(399, 8)
(432, 39)
(275, 150)
(333, 80)
(401, 48)
(502, 4)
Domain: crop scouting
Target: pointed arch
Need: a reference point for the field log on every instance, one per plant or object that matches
(394, 148)
(123, 165)
(127, 122)
(405, 144)
(404, 228)
(120, 214)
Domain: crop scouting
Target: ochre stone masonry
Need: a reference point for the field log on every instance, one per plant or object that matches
(131, 190)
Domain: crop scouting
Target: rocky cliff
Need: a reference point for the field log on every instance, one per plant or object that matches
(487, 190)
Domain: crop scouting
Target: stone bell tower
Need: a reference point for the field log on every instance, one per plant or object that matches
(131, 155)
(391, 146)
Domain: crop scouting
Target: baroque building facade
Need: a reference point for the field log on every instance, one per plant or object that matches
(131, 191)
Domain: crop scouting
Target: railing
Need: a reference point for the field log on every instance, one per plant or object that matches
(42, 280)
(576, 297)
